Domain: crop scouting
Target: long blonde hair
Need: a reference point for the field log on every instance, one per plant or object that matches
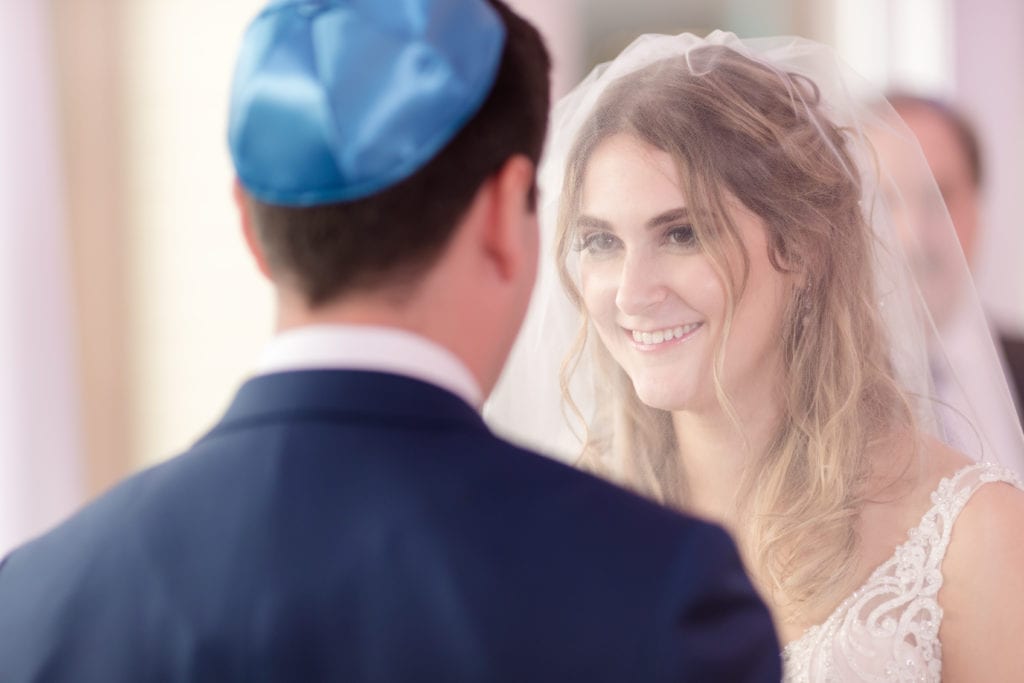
(735, 126)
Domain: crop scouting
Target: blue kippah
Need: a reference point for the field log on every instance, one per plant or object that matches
(334, 100)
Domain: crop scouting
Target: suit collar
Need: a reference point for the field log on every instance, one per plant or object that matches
(352, 394)
(373, 348)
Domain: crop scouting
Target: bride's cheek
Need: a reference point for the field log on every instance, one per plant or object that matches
(598, 288)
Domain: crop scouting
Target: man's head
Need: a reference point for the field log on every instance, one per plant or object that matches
(400, 244)
(951, 148)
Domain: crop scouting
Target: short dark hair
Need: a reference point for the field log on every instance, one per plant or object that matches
(393, 236)
(962, 128)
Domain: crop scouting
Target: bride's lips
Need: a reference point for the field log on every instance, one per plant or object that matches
(662, 337)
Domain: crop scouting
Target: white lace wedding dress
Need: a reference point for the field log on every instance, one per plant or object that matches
(888, 629)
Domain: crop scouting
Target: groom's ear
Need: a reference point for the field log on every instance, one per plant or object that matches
(252, 240)
(509, 233)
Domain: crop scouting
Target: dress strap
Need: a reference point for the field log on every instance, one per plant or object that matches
(953, 493)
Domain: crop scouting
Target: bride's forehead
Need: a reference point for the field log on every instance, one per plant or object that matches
(626, 148)
(626, 174)
(622, 165)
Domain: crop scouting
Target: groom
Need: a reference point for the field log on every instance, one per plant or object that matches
(351, 518)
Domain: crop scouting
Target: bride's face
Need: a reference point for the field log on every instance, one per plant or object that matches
(654, 296)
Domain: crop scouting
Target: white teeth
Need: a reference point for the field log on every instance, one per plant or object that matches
(661, 336)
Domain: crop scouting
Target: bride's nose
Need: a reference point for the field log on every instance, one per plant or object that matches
(640, 286)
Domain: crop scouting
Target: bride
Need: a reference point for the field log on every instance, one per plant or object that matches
(733, 330)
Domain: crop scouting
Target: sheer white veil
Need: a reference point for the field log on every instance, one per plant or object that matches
(529, 406)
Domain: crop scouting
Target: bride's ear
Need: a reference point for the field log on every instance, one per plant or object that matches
(794, 266)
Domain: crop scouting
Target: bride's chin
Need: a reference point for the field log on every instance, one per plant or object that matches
(676, 397)
(659, 399)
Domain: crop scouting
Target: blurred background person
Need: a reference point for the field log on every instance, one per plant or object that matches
(942, 266)
(953, 151)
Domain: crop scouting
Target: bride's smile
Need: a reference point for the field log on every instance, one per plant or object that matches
(656, 339)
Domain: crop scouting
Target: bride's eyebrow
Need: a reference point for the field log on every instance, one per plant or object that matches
(585, 221)
(680, 214)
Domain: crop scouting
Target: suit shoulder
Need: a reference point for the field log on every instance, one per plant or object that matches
(584, 507)
(611, 493)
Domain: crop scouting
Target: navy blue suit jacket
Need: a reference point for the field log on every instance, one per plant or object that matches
(357, 526)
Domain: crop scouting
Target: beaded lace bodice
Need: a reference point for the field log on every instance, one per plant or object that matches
(888, 629)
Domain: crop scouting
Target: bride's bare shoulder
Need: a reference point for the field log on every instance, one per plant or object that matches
(940, 461)
(906, 471)
(982, 593)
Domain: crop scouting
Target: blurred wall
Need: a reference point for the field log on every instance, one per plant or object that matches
(40, 445)
(199, 310)
(90, 78)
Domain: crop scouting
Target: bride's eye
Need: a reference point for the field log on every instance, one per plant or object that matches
(598, 242)
(681, 235)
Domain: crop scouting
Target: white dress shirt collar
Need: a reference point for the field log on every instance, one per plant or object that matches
(363, 347)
